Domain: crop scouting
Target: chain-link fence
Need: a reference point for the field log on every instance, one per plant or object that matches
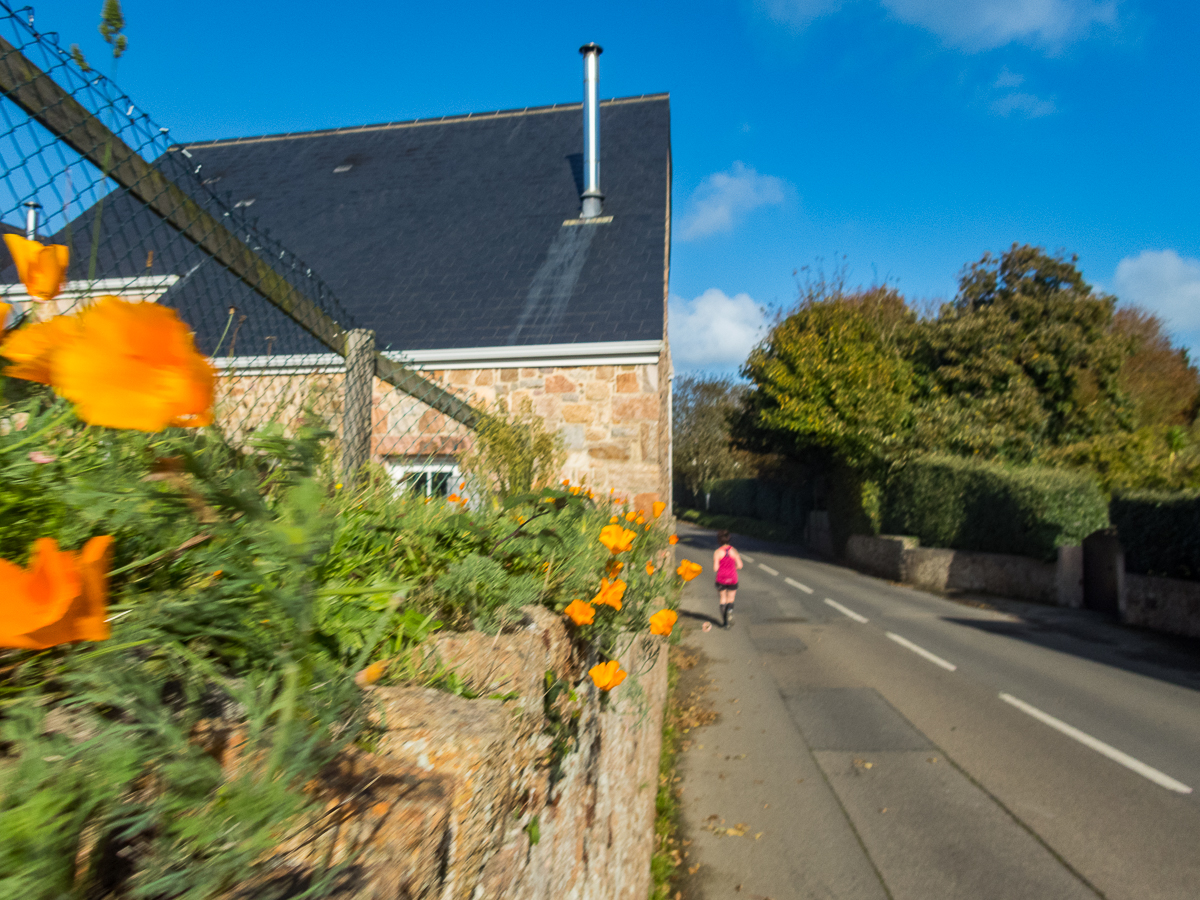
(83, 166)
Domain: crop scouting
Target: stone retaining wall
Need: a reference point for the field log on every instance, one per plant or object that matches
(1163, 604)
(899, 558)
(459, 799)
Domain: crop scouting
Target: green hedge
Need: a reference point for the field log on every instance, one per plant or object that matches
(1160, 532)
(752, 498)
(966, 505)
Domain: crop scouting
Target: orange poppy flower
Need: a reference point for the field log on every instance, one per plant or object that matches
(580, 613)
(607, 676)
(614, 567)
(610, 593)
(31, 349)
(663, 621)
(616, 538)
(42, 269)
(371, 673)
(630, 516)
(134, 365)
(649, 567)
(688, 570)
(613, 521)
(60, 598)
(673, 539)
(658, 507)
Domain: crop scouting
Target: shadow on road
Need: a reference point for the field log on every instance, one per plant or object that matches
(1087, 635)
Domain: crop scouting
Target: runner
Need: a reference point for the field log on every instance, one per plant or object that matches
(726, 562)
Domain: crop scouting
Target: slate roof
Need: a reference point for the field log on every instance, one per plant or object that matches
(449, 233)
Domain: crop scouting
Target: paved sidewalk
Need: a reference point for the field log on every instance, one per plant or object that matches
(761, 817)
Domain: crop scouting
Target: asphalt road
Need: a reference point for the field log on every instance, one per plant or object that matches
(877, 741)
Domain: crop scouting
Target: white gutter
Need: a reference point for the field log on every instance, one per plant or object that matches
(563, 356)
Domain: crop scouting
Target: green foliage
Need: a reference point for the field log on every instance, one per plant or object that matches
(967, 505)
(112, 26)
(831, 379)
(1160, 532)
(106, 779)
(757, 528)
(513, 453)
(1024, 358)
(700, 446)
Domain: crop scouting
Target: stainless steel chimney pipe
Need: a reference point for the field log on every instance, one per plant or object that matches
(593, 200)
(31, 219)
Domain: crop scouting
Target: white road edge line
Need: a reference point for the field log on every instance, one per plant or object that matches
(768, 569)
(921, 651)
(1099, 746)
(847, 612)
(796, 584)
(747, 557)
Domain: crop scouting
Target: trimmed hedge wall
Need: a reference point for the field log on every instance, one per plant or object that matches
(965, 505)
(751, 498)
(1160, 532)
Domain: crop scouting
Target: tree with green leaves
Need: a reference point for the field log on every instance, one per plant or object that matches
(831, 381)
(1023, 358)
(701, 448)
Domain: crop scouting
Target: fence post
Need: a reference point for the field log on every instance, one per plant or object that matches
(356, 408)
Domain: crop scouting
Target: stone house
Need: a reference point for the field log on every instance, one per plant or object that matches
(478, 249)
(461, 243)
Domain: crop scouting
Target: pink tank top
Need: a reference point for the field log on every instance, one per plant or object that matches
(727, 569)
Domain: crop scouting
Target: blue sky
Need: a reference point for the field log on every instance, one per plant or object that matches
(907, 136)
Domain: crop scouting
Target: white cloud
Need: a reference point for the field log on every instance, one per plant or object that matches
(984, 24)
(798, 14)
(1007, 79)
(714, 331)
(1021, 103)
(723, 197)
(971, 24)
(1165, 283)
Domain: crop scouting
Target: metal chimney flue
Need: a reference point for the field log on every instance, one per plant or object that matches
(31, 219)
(593, 200)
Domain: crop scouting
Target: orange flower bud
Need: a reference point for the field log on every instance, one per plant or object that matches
(649, 567)
(580, 613)
(616, 538)
(610, 593)
(658, 507)
(673, 539)
(61, 598)
(663, 621)
(371, 673)
(42, 269)
(607, 676)
(688, 570)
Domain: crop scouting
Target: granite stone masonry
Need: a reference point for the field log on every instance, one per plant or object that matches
(460, 799)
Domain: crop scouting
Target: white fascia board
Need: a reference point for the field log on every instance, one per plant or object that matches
(564, 356)
(534, 356)
(78, 290)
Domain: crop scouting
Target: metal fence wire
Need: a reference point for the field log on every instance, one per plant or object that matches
(85, 167)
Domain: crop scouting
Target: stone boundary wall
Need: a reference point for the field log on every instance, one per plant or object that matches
(458, 799)
(899, 558)
(1170, 605)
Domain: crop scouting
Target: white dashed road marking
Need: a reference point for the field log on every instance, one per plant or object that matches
(747, 558)
(1099, 746)
(921, 651)
(846, 612)
(768, 569)
(796, 584)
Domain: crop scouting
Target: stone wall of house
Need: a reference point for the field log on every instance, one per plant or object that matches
(614, 420)
(461, 798)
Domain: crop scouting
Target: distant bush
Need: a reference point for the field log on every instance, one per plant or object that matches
(965, 505)
(733, 497)
(1160, 532)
